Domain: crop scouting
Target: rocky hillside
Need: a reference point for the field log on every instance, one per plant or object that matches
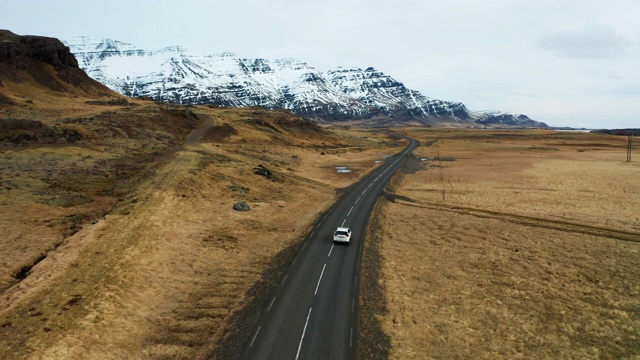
(45, 63)
(353, 95)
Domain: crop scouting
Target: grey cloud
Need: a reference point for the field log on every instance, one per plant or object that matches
(592, 42)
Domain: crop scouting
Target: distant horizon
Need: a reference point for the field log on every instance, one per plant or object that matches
(565, 63)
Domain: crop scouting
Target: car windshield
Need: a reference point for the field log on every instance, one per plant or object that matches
(342, 233)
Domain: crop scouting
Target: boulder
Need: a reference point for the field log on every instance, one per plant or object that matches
(241, 206)
(261, 170)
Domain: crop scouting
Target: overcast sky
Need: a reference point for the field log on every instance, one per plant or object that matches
(565, 62)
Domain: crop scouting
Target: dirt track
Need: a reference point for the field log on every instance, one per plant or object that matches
(106, 272)
(194, 137)
(566, 226)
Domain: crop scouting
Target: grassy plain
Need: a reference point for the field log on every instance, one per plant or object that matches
(124, 244)
(510, 244)
(119, 239)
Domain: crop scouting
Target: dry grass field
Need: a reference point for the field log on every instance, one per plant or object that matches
(510, 244)
(119, 240)
(124, 244)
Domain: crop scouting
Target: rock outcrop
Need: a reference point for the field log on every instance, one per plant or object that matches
(46, 62)
(20, 50)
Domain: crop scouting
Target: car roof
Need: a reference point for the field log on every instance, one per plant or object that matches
(342, 228)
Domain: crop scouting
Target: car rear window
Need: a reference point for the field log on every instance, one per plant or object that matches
(343, 233)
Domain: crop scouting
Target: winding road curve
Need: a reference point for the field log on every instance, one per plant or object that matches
(313, 313)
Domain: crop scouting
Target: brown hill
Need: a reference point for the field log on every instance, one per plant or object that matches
(109, 202)
(41, 63)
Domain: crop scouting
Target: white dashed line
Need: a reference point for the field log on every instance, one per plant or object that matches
(332, 245)
(272, 301)
(345, 220)
(254, 337)
(320, 279)
(303, 331)
(285, 279)
(358, 199)
(349, 213)
(353, 303)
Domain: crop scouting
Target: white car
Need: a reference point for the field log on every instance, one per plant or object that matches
(342, 234)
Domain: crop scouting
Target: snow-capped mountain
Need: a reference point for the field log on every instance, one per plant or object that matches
(177, 75)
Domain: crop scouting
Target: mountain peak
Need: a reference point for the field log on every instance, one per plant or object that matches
(348, 94)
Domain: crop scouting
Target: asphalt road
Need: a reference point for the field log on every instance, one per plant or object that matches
(313, 312)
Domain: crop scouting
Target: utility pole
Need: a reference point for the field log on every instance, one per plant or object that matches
(629, 148)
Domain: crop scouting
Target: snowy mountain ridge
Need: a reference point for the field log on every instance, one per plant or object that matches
(353, 95)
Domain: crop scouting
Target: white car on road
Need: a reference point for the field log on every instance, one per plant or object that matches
(342, 234)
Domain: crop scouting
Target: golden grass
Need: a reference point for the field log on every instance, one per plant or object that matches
(513, 245)
(164, 272)
(40, 103)
(503, 244)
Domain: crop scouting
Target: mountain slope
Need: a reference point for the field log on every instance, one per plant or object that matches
(43, 63)
(351, 95)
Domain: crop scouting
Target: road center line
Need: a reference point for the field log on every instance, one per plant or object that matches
(285, 279)
(272, 301)
(357, 199)
(365, 190)
(332, 245)
(349, 213)
(344, 221)
(303, 331)
(320, 279)
(254, 337)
